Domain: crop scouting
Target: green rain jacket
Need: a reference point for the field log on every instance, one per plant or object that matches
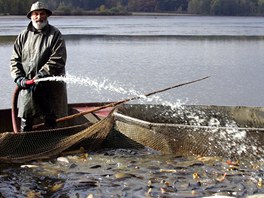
(40, 52)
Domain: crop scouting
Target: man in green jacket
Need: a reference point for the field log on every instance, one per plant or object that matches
(39, 52)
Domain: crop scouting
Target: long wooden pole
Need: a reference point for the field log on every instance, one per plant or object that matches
(121, 101)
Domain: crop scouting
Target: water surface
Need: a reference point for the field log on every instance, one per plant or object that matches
(141, 54)
(121, 56)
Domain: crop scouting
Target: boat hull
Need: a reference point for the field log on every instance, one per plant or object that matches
(88, 131)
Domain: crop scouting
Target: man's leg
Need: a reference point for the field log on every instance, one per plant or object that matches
(26, 124)
(50, 121)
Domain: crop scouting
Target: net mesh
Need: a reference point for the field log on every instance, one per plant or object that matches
(35, 145)
(171, 132)
(158, 127)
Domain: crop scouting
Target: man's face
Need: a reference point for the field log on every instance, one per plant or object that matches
(39, 19)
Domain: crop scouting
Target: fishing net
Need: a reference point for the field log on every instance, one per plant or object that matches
(234, 132)
(44, 144)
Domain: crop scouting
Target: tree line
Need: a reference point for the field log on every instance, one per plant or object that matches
(126, 7)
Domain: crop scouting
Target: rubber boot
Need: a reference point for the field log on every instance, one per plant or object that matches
(26, 124)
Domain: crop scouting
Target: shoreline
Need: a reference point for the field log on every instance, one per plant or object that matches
(161, 14)
(134, 14)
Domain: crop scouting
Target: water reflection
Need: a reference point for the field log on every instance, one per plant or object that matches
(143, 25)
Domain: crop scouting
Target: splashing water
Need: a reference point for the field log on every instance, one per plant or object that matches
(230, 138)
(223, 132)
(108, 86)
(71, 79)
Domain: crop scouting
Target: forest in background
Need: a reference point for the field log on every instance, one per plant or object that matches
(127, 7)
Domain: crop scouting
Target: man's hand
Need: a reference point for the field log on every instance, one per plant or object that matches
(24, 83)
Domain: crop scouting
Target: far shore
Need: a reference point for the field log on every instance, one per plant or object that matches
(160, 14)
(126, 14)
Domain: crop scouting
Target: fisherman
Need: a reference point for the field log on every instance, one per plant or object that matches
(39, 51)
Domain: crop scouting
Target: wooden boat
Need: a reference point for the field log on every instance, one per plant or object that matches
(228, 131)
(87, 130)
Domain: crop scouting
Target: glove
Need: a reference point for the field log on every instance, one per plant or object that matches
(24, 83)
(21, 82)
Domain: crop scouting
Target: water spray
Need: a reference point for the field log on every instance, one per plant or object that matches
(70, 79)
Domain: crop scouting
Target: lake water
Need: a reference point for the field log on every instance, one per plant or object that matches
(118, 57)
(140, 54)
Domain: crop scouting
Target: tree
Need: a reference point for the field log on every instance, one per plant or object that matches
(141, 5)
(199, 7)
(194, 7)
(205, 7)
(260, 6)
(225, 7)
(63, 8)
(172, 5)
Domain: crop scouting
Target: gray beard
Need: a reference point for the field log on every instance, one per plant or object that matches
(39, 26)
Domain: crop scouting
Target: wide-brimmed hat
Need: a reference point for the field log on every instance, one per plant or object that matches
(38, 6)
